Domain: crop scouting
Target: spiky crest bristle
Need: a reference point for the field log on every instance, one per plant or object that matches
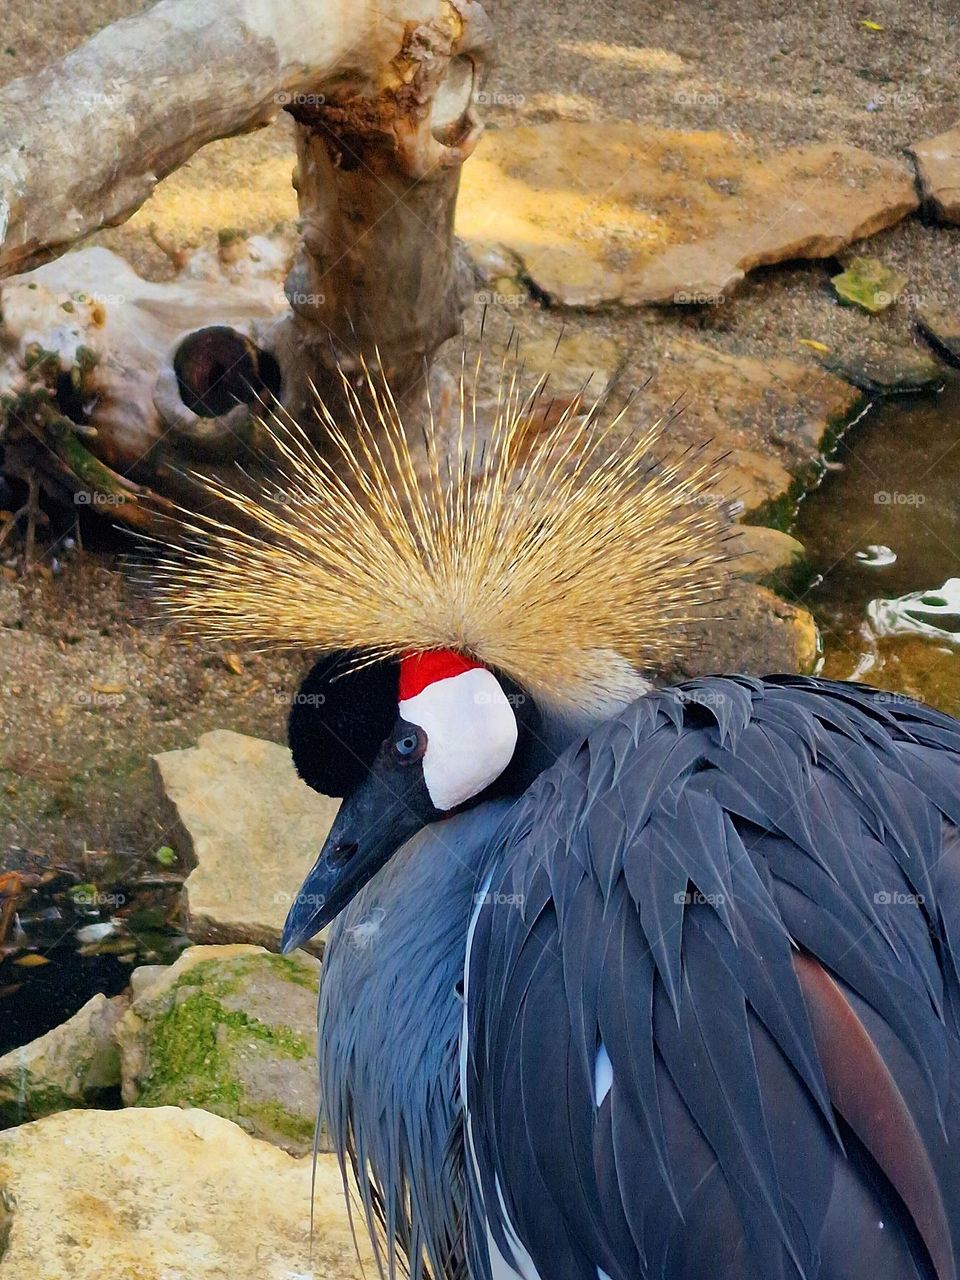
(536, 555)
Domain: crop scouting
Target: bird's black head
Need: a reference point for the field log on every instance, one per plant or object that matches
(405, 743)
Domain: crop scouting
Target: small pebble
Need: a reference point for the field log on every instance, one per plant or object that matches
(95, 932)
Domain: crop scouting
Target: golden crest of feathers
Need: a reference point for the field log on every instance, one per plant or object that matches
(534, 552)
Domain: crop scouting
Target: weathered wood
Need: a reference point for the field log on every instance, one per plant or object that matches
(84, 141)
(122, 380)
(380, 276)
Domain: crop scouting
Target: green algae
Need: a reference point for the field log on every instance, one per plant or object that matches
(196, 1041)
(32, 1101)
(274, 1117)
(295, 971)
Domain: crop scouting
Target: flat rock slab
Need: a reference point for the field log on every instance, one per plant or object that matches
(941, 328)
(164, 1194)
(768, 419)
(888, 371)
(250, 828)
(622, 213)
(231, 1029)
(70, 1066)
(938, 164)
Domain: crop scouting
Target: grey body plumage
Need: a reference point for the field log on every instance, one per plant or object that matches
(667, 873)
(650, 893)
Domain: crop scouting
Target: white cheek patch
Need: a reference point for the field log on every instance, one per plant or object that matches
(471, 734)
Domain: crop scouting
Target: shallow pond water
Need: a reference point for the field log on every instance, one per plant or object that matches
(62, 942)
(885, 524)
(35, 1001)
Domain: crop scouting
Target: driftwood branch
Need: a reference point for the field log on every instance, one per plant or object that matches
(379, 276)
(110, 384)
(84, 141)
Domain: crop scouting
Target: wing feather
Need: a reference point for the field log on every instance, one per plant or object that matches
(685, 867)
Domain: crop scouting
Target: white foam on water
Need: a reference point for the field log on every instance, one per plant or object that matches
(934, 614)
(877, 556)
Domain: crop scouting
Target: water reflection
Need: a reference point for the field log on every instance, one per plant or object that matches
(883, 537)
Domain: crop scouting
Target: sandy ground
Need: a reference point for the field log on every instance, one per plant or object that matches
(90, 691)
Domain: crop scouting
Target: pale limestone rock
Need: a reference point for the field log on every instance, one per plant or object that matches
(250, 828)
(144, 976)
(164, 1194)
(231, 1029)
(938, 164)
(70, 1066)
(617, 212)
(765, 555)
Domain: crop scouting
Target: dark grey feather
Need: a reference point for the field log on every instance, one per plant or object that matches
(670, 887)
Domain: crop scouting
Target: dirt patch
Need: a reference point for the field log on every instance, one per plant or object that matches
(90, 691)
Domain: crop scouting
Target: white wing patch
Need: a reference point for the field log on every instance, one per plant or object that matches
(471, 734)
(602, 1075)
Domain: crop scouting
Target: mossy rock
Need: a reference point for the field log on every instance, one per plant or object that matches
(74, 1065)
(231, 1029)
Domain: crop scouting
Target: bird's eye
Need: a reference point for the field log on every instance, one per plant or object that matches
(409, 745)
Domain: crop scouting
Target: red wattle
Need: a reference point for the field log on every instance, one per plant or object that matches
(417, 670)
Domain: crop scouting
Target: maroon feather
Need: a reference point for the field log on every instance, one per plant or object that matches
(864, 1092)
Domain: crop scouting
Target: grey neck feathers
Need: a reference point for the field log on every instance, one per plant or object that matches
(389, 1024)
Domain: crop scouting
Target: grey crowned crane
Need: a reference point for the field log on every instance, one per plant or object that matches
(647, 984)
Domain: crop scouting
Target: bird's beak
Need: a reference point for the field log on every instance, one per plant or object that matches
(384, 811)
